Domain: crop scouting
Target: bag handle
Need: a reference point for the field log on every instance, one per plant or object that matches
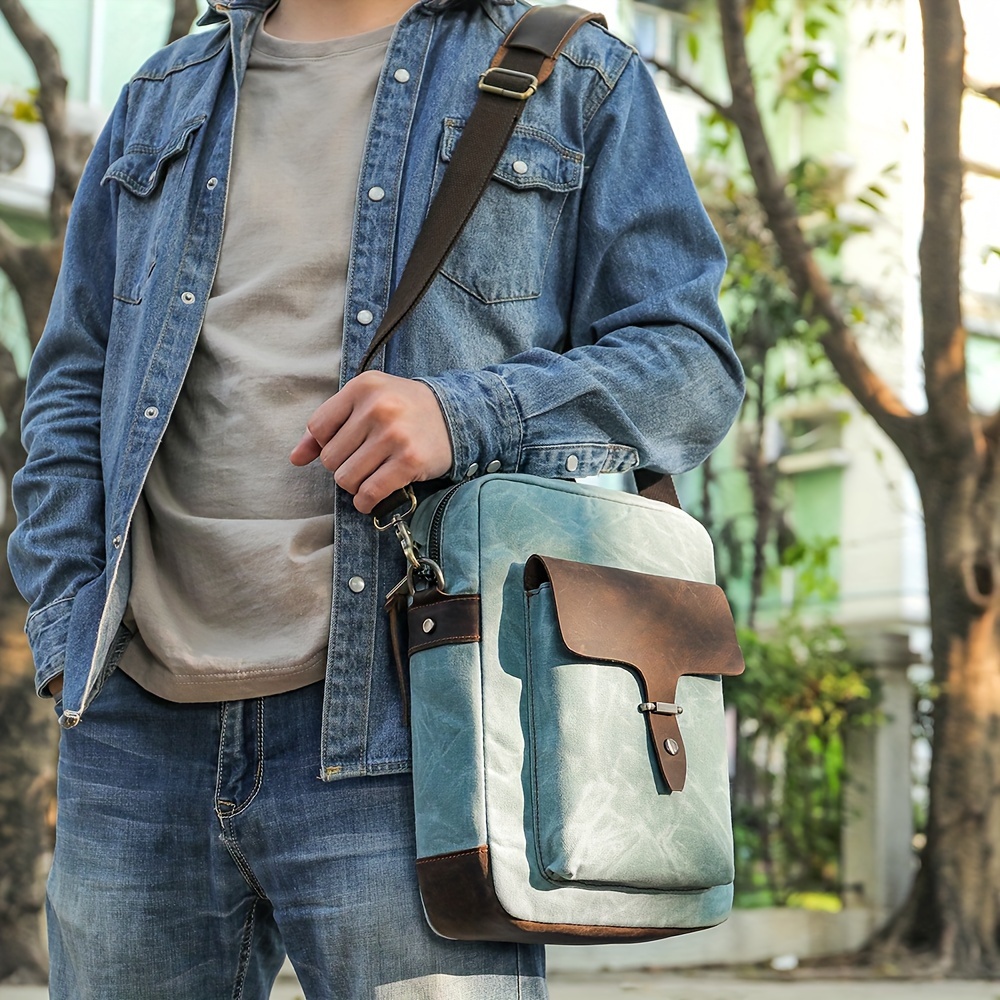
(524, 61)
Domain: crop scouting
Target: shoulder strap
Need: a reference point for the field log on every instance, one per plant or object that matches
(521, 65)
(524, 61)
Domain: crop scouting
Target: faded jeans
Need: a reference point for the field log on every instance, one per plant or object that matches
(195, 845)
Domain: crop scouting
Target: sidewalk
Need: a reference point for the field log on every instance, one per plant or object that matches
(693, 986)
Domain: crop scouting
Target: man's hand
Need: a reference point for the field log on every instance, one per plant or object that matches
(378, 434)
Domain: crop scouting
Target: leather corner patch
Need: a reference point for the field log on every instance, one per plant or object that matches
(461, 903)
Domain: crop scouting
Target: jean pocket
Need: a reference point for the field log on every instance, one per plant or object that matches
(502, 253)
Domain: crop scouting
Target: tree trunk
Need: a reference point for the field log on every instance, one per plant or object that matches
(953, 914)
(27, 788)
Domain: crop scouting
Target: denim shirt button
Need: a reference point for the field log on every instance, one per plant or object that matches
(213, 183)
(117, 541)
(494, 466)
(376, 193)
(401, 76)
(365, 317)
(572, 463)
(520, 167)
(151, 413)
(187, 298)
(356, 584)
(472, 470)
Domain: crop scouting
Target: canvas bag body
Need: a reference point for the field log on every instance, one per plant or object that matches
(541, 811)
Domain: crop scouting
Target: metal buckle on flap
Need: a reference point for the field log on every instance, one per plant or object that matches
(517, 95)
(661, 708)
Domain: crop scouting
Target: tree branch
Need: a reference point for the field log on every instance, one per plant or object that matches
(725, 110)
(991, 91)
(44, 57)
(185, 11)
(811, 287)
(11, 251)
(983, 169)
(11, 392)
(941, 241)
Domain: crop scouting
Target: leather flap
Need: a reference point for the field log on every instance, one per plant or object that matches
(661, 627)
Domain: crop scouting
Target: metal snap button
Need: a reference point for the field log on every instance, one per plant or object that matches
(376, 193)
(357, 584)
(117, 541)
(213, 183)
(494, 466)
(572, 463)
(401, 76)
(520, 167)
(427, 625)
(472, 470)
(151, 413)
(187, 298)
(365, 317)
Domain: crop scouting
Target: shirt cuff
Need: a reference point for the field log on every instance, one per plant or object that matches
(483, 421)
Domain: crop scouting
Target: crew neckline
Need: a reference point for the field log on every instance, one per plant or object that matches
(284, 48)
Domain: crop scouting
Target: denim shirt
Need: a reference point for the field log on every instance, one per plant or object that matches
(574, 328)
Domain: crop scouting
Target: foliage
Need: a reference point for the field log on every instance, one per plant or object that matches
(803, 690)
(24, 109)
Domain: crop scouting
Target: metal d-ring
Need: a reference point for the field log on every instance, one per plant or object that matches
(429, 570)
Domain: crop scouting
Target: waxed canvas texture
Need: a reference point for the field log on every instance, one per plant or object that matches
(601, 811)
(594, 839)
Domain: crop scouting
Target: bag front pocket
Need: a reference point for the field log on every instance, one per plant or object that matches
(601, 810)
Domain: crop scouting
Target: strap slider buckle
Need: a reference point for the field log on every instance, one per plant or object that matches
(513, 76)
(660, 708)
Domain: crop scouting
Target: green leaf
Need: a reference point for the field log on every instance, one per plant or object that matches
(693, 41)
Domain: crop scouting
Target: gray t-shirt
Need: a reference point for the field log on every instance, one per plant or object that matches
(232, 551)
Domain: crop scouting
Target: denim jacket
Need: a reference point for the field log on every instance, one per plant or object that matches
(574, 328)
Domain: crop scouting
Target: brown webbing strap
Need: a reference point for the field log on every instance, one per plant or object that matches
(523, 62)
(529, 51)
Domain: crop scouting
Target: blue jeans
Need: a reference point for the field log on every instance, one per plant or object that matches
(195, 845)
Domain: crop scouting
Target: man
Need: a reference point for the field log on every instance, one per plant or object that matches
(206, 592)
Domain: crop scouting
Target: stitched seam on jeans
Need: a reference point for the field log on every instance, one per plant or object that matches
(258, 778)
(245, 945)
(245, 870)
(218, 768)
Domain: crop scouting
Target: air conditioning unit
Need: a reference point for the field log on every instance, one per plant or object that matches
(26, 171)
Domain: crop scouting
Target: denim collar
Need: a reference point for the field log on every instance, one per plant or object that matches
(217, 8)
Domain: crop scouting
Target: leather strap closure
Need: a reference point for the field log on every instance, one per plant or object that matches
(660, 627)
(439, 619)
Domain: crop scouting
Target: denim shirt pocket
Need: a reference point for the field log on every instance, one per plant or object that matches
(503, 251)
(142, 172)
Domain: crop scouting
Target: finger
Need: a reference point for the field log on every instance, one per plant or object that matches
(352, 438)
(306, 451)
(359, 464)
(383, 481)
(331, 415)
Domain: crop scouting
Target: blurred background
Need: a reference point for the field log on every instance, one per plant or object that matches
(849, 155)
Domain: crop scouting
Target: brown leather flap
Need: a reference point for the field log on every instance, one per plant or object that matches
(661, 627)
